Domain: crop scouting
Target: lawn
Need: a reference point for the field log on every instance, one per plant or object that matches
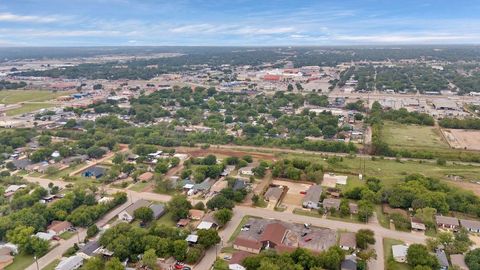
(20, 262)
(28, 107)
(52, 265)
(66, 171)
(387, 249)
(16, 96)
(140, 186)
(390, 171)
(413, 136)
(167, 220)
(66, 235)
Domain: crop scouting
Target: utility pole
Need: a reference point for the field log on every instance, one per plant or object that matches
(36, 261)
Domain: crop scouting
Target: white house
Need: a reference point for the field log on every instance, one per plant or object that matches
(246, 170)
(70, 263)
(399, 253)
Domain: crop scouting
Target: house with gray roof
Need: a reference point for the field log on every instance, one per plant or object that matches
(442, 259)
(127, 214)
(312, 197)
(447, 223)
(158, 210)
(70, 263)
(470, 225)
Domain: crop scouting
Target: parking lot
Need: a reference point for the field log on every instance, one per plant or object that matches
(313, 238)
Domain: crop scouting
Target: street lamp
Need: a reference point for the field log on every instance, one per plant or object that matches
(36, 261)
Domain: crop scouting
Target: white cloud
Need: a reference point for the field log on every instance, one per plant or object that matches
(10, 17)
(411, 38)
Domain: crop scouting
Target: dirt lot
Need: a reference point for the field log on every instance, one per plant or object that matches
(463, 139)
(196, 152)
(293, 196)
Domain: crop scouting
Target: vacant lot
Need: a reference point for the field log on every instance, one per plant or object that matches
(413, 136)
(28, 107)
(16, 96)
(293, 196)
(463, 139)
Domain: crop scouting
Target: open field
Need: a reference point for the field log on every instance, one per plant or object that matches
(413, 136)
(28, 107)
(463, 139)
(16, 96)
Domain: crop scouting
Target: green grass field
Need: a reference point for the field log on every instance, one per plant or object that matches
(28, 107)
(387, 249)
(16, 96)
(20, 262)
(413, 136)
(390, 171)
(52, 265)
(140, 186)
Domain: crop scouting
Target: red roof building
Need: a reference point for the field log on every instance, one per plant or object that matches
(269, 77)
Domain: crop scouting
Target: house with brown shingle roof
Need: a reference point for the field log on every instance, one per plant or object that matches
(448, 223)
(273, 235)
(146, 176)
(195, 214)
(58, 227)
(347, 241)
(248, 245)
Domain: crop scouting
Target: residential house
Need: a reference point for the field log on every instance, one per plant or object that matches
(228, 169)
(158, 210)
(442, 259)
(470, 225)
(459, 261)
(204, 186)
(235, 263)
(417, 224)
(248, 245)
(447, 223)
(399, 253)
(273, 235)
(239, 184)
(349, 263)
(59, 227)
(127, 214)
(182, 223)
(331, 203)
(208, 222)
(132, 157)
(312, 197)
(94, 172)
(21, 164)
(75, 159)
(70, 263)
(192, 239)
(246, 171)
(195, 214)
(10, 246)
(347, 241)
(12, 189)
(45, 236)
(146, 176)
(89, 249)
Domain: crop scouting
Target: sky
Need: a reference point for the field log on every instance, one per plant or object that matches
(237, 22)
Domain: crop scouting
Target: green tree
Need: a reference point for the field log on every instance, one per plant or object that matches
(418, 254)
(150, 259)
(364, 238)
(145, 214)
(208, 238)
(178, 207)
(114, 264)
(94, 263)
(92, 231)
(180, 249)
(472, 259)
(223, 216)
